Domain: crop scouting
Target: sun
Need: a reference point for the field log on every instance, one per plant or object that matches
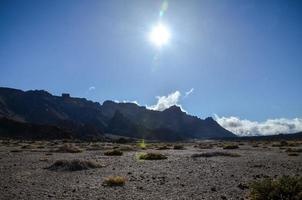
(159, 35)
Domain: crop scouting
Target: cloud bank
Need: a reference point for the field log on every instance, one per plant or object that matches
(164, 102)
(243, 127)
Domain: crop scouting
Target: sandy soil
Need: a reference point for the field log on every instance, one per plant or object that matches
(23, 174)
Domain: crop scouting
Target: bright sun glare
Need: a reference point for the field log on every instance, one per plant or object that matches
(159, 35)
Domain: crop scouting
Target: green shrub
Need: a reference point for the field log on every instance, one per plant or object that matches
(151, 156)
(114, 152)
(287, 188)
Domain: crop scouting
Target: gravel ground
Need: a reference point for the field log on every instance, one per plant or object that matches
(23, 174)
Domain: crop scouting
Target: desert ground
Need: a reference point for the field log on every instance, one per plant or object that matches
(193, 170)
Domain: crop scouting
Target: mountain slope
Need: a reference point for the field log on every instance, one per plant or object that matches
(88, 118)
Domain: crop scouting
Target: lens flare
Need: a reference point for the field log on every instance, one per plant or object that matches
(160, 35)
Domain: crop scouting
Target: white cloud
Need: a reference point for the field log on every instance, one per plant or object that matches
(164, 102)
(189, 92)
(127, 101)
(244, 127)
(91, 88)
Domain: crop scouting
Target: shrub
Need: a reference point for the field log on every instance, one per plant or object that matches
(282, 143)
(205, 146)
(163, 147)
(115, 181)
(293, 154)
(15, 151)
(94, 148)
(230, 146)
(126, 148)
(114, 152)
(178, 147)
(28, 146)
(122, 141)
(289, 188)
(73, 165)
(68, 148)
(152, 156)
(294, 150)
(214, 154)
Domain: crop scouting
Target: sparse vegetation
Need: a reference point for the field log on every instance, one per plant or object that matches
(126, 148)
(293, 154)
(230, 146)
(152, 156)
(215, 154)
(178, 147)
(141, 144)
(68, 148)
(113, 152)
(28, 146)
(284, 143)
(115, 181)
(164, 147)
(15, 150)
(73, 165)
(205, 146)
(287, 188)
(294, 150)
(44, 159)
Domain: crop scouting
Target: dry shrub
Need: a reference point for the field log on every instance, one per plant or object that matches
(115, 181)
(230, 146)
(215, 154)
(68, 148)
(73, 165)
(15, 150)
(164, 147)
(293, 154)
(295, 150)
(152, 156)
(287, 188)
(126, 148)
(178, 147)
(114, 152)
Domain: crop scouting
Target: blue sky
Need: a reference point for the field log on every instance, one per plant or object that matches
(243, 58)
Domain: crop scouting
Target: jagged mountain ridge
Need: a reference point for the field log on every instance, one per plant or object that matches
(91, 118)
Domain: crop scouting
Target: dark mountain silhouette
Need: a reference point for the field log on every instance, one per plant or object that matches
(83, 118)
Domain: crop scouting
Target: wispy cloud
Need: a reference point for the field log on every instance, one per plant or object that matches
(164, 102)
(189, 92)
(244, 127)
(91, 88)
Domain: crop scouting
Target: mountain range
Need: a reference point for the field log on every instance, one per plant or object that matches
(39, 114)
